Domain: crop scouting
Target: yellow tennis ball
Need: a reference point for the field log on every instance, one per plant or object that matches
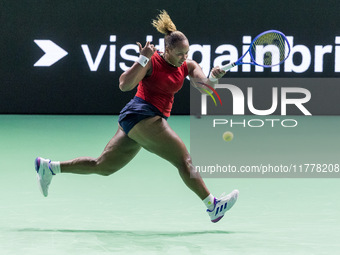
(228, 136)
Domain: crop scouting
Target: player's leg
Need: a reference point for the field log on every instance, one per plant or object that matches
(155, 135)
(117, 153)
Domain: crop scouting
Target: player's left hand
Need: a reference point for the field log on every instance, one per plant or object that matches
(217, 72)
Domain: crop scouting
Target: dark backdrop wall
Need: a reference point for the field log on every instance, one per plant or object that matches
(99, 39)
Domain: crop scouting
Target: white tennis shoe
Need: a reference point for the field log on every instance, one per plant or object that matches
(222, 205)
(44, 174)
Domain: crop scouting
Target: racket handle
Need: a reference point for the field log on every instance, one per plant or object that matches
(228, 67)
(224, 68)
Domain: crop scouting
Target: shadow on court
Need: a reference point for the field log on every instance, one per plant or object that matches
(132, 233)
(138, 242)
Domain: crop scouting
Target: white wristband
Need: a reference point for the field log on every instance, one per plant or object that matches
(142, 60)
(211, 78)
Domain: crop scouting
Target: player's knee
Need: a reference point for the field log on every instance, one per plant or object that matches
(104, 169)
(107, 171)
(185, 164)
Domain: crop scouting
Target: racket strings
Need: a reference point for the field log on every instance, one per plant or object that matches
(269, 49)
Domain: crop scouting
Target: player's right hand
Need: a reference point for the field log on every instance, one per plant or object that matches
(148, 50)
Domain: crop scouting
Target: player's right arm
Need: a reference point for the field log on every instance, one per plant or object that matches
(131, 77)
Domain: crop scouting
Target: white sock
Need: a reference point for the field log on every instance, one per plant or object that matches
(55, 166)
(209, 201)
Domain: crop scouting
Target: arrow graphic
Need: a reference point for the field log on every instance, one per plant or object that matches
(53, 53)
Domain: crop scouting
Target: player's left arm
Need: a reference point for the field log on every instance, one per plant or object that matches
(196, 74)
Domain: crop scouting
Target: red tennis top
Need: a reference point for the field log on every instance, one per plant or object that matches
(160, 87)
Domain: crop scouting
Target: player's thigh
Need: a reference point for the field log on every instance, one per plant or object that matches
(119, 151)
(155, 135)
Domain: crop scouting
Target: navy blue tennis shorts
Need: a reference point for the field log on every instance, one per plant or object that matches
(135, 111)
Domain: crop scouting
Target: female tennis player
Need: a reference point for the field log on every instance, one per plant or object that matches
(143, 121)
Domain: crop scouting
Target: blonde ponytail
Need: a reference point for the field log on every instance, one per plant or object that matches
(164, 24)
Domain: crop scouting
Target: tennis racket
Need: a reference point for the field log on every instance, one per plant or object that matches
(268, 49)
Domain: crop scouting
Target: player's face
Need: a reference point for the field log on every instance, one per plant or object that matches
(177, 55)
